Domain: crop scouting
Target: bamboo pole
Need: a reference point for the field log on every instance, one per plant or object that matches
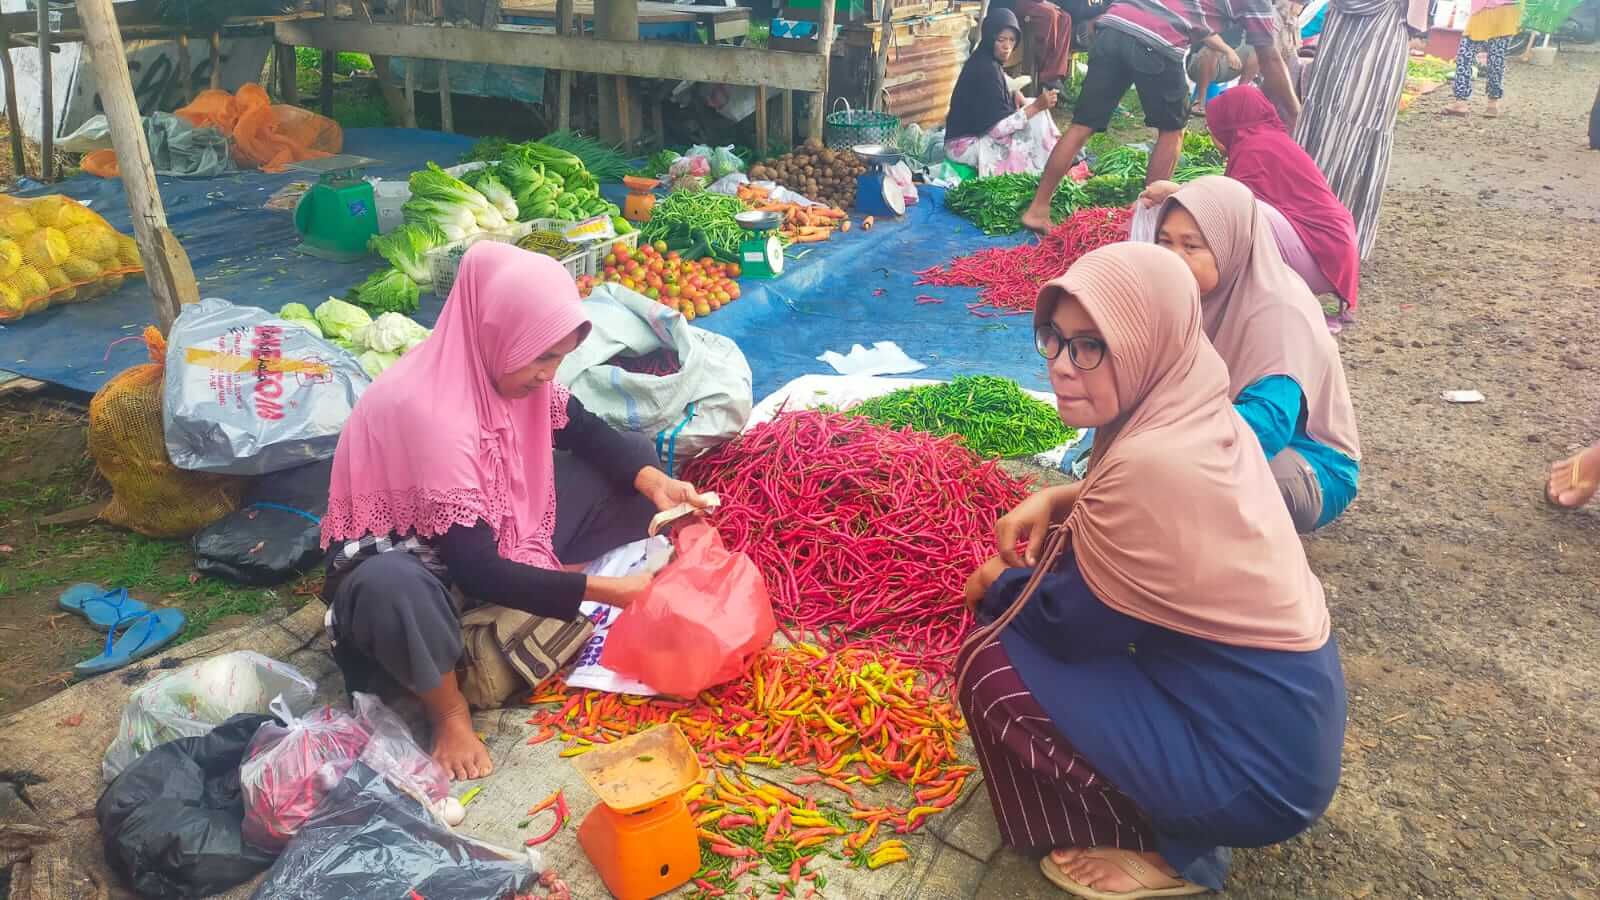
(819, 100)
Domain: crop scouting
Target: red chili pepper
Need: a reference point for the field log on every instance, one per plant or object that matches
(1010, 277)
(559, 801)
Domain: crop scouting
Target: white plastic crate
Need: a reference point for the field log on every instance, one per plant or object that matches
(599, 249)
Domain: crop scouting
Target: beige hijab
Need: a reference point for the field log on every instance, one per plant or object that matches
(1261, 317)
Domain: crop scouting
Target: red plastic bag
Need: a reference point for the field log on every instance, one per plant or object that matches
(704, 617)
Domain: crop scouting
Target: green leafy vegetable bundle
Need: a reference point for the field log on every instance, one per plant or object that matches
(406, 248)
(992, 416)
(1123, 162)
(604, 163)
(1200, 149)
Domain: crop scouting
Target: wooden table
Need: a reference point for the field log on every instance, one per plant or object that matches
(724, 22)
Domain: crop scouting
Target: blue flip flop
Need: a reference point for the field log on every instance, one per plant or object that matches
(104, 609)
(141, 636)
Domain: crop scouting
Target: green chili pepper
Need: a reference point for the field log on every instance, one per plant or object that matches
(991, 415)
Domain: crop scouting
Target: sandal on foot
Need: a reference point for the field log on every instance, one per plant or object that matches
(105, 610)
(141, 636)
(1575, 482)
(1131, 865)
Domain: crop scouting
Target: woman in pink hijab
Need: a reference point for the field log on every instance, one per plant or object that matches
(1156, 682)
(468, 468)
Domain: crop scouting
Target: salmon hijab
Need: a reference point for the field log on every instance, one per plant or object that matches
(432, 444)
(1261, 317)
(1180, 522)
(1263, 156)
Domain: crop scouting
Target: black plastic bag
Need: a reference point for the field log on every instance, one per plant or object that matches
(170, 821)
(368, 839)
(276, 536)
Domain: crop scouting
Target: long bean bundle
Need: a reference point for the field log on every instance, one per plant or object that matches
(1011, 276)
(992, 416)
(686, 217)
(866, 535)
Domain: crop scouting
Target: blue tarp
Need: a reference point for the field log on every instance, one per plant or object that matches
(824, 300)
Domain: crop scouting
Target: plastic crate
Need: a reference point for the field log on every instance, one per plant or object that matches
(445, 261)
(599, 249)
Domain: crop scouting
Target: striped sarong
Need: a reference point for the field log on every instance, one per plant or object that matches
(1351, 100)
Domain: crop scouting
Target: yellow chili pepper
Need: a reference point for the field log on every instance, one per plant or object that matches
(921, 812)
(693, 794)
(575, 751)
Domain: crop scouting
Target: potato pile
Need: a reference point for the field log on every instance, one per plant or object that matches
(824, 175)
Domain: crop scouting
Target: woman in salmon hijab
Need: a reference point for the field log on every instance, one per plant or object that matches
(1284, 372)
(468, 467)
(1156, 681)
(1315, 233)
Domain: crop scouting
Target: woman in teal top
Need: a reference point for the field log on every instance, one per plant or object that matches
(1284, 370)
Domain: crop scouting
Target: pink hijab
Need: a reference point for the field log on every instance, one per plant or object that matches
(1261, 316)
(1263, 156)
(432, 444)
(1180, 522)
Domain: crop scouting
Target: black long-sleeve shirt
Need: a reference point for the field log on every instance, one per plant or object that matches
(469, 556)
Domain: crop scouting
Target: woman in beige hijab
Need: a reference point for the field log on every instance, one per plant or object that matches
(1284, 372)
(1157, 681)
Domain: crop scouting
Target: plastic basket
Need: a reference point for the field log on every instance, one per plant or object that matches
(599, 249)
(445, 261)
(849, 127)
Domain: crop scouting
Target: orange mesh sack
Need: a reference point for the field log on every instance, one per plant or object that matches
(264, 136)
(148, 493)
(56, 250)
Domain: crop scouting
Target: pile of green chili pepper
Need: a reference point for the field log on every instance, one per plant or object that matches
(991, 415)
(1113, 190)
(995, 204)
(696, 223)
(1125, 162)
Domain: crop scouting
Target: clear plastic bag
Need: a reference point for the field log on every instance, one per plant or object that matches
(290, 769)
(190, 701)
(725, 162)
(392, 751)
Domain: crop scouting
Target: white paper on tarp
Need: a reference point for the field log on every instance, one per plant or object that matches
(648, 555)
(729, 185)
(844, 391)
(885, 358)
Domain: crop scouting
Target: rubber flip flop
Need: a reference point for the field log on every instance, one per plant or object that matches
(142, 635)
(102, 608)
(1129, 863)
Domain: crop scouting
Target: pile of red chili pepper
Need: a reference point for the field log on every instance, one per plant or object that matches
(1011, 276)
(866, 535)
(856, 719)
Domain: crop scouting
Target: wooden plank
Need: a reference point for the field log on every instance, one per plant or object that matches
(166, 266)
(761, 120)
(880, 65)
(564, 80)
(215, 51)
(127, 14)
(410, 119)
(47, 98)
(786, 128)
(380, 68)
(185, 77)
(288, 85)
(616, 20)
(819, 102)
(648, 59)
(18, 161)
(325, 85)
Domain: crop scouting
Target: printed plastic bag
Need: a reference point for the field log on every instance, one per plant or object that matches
(371, 838)
(687, 412)
(249, 393)
(190, 701)
(702, 620)
(276, 536)
(291, 767)
(170, 823)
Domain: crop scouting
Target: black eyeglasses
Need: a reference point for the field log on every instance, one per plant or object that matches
(1086, 353)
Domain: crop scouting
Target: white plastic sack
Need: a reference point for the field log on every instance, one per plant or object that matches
(703, 404)
(94, 134)
(190, 701)
(249, 393)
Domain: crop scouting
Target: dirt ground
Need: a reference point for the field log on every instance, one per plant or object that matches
(1467, 610)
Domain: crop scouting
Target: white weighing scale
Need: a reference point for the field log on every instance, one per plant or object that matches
(760, 253)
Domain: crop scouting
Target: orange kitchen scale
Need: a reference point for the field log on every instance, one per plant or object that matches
(640, 836)
(640, 201)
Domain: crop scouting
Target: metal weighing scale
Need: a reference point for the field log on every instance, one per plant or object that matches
(336, 216)
(876, 193)
(760, 253)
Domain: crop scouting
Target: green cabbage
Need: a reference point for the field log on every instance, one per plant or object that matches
(340, 320)
(406, 249)
(495, 191)
(299, 314)
(391, 333)
(434, 183)
(443, 215)
(374, 362)
(387, 291)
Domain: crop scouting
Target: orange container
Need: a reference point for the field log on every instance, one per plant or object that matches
(640, 201)
(640, 837)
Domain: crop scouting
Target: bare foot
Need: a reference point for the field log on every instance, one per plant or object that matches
(1458, 108)
(1494, 109)
(1110, 871)
(1037, 221)
(1573, 480)
(457, 748)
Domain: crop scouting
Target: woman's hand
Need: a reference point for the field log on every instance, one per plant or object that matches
(979, 581)
(1045, 101)
(666, 492)
(1030, 521)
(618, 592)
(1157, 192)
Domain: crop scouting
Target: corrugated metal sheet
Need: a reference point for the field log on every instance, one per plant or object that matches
(924, 62)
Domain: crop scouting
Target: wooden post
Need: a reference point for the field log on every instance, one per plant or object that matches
(616, 20)
(19, 163)
(786, 128)
(761, 120)
(325, 89)
(409, 18)
(166, 266)
(983, 13)
(447, 115)
(216, 61)
(47, 98)
(185, 76)
(288, 85)
(819, 102)
(564, 78)
(380, 68)
(880, 66)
